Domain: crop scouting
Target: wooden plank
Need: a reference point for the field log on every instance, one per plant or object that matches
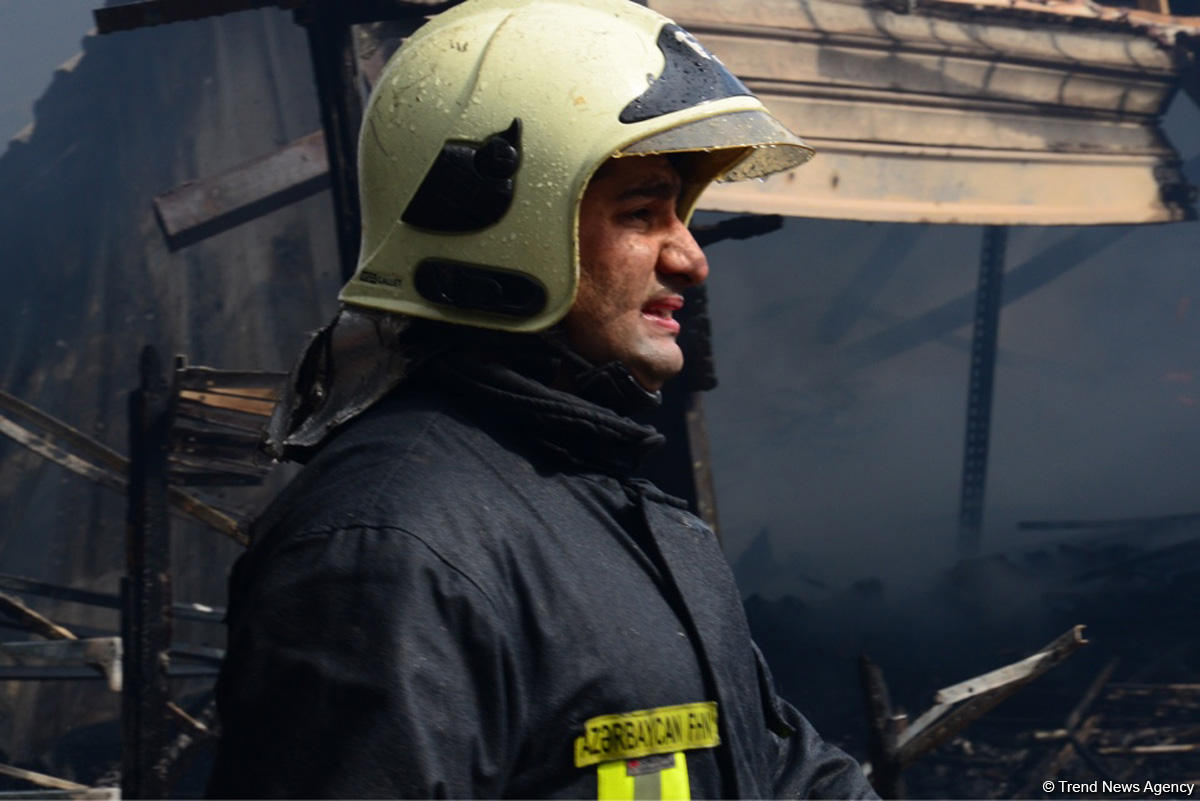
(1093, 691)
(93, 450)
(190, 611)
(199, 209)
(43, 446)
(1164, 748)
(212, 478)
(41, 779)
(34, 621)
(945, 720)
(1017, 671)
(146, 13)
(238, 403)
(208, 378)
(241, 450)
(113, 478)
(207, 419)
(102, 653)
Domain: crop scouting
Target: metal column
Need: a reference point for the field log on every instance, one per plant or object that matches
(146, 589)
(331, 42)
(988, 299)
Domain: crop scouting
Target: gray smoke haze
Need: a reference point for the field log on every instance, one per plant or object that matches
(842, 350)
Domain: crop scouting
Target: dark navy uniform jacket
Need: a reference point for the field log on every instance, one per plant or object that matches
(464, 594)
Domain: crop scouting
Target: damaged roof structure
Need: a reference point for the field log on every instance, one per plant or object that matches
(996, 112)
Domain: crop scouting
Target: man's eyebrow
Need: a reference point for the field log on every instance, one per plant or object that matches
(663, 188)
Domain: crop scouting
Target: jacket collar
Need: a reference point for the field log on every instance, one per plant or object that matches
(533, 382)
(567, 425)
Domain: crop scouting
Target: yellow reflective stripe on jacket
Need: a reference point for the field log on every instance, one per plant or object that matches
(640, 780)
(662, 730)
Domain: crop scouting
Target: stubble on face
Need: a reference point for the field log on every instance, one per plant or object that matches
(636, 257)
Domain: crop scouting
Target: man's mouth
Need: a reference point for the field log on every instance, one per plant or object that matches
(660, 310)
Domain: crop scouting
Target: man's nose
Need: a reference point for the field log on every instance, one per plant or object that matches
(681, 257)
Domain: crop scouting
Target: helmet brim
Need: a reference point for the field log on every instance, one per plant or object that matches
(768, 147)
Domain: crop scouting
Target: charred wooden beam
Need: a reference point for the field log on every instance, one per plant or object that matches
(199, 209)
(147, 13)
(251, 383)
(101, 653)
(69, 673)
(97, 462)
(1163, 748)
(218, 420)
(196, 730)
(1075, 717)
(190, 611)
(64, 434)
(1020, 671)
(44, 780)
(1134, 688)
(32, 620)
(975, 697)
(882, 736)
(1077, 729)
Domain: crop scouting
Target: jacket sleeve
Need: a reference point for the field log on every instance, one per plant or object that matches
(806, 765)
(363, 664)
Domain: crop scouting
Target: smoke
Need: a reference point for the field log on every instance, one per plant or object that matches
(842, 351)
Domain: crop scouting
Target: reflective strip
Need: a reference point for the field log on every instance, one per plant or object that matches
(663, 730)
(653, 779)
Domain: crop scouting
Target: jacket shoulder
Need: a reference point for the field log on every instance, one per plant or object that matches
(421, 473)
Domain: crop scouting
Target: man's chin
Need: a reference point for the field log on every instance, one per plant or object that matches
(659, 368)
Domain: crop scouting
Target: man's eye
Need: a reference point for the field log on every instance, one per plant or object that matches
(640, 215)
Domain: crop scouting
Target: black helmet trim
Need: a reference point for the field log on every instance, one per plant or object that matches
(691, 75)
(469, 186)
(478, 287)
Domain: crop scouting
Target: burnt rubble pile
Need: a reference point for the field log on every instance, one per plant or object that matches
(1123, 709)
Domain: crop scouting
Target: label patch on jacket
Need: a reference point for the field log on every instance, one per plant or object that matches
(659, 777)
(645, 732)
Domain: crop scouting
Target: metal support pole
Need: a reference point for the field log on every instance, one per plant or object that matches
(988, 299)
(331, 44)
(145, 590)
(702, 476)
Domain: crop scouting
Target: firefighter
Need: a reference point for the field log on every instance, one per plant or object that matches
(465, 592)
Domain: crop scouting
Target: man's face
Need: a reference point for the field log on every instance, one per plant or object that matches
(635, 257)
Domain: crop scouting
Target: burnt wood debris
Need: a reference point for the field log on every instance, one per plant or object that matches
(199, 427)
